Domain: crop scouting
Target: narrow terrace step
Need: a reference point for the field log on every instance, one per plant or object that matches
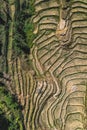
(76, 101)
(46, 13)
(46, 5)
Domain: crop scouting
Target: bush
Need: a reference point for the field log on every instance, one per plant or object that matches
(10, 112)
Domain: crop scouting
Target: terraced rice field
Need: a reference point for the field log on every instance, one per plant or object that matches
(61, 59)
(53, 91)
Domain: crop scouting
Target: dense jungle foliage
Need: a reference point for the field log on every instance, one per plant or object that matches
(10, 112)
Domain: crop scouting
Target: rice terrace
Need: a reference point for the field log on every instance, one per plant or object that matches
(43, 64)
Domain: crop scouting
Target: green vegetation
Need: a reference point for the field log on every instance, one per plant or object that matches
(23, 28)
(18, 27)
(29, 26)
(10, 112)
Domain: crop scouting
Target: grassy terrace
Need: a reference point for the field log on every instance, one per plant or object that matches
(65, 60)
